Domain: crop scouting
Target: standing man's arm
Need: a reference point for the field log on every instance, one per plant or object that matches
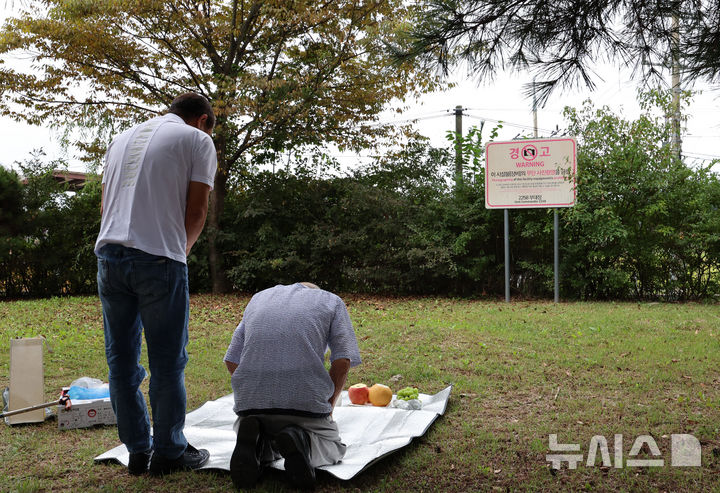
(195, 212)
(338, 374)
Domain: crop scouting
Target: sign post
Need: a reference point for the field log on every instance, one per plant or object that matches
(532, 173)
(507, 254)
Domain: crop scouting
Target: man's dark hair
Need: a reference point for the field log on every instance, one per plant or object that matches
(190, 105)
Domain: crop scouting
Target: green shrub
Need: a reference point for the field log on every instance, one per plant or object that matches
(48, 233)
(646, 225)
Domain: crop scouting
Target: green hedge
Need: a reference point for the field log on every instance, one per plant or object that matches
(47, 233)
(645, 226)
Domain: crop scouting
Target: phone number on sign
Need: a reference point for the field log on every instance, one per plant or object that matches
(529, 198)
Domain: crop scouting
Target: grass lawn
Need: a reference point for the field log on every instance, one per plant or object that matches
(520, 372)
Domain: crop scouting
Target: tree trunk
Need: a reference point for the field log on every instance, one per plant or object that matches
(218, 277)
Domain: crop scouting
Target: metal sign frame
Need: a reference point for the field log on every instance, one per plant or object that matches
(532, 173)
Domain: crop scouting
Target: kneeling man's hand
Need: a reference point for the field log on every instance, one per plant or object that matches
(338, 373)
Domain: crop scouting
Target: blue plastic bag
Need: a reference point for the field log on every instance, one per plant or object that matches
(76, 392)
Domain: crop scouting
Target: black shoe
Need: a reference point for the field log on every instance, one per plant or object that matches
(293, 444)
(245, 467)
(139, 462)
(191, 459)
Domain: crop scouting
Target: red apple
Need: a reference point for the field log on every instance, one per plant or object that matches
(358, 393)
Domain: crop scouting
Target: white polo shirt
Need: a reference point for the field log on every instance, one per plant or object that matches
(148, 169)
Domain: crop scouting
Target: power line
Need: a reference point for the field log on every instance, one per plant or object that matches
(701, 156)
(427, 116)
(451, 112)
(509, 124)
(525, 110)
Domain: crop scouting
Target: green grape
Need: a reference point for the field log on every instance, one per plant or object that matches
(408, 393)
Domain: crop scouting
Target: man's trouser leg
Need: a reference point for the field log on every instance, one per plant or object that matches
(121, 323)
(326, 447)
(138, 288)
(162, 287)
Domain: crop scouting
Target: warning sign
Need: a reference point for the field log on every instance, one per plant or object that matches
(530, 173)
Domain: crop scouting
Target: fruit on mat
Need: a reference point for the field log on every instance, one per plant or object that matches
(408, 393)
(358, 393)
(380, 395)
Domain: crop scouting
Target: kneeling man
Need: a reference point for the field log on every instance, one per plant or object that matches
(284, 396)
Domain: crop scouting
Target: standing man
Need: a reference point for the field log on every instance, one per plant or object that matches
(284, 396)
(156, 183)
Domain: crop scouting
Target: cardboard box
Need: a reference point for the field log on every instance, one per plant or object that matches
(86, 413)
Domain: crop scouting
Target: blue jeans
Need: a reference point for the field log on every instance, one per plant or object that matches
(142, 291)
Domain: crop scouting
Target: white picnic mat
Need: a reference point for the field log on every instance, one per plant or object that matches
(369, 432)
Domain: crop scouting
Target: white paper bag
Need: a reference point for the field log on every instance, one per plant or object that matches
(27, 384)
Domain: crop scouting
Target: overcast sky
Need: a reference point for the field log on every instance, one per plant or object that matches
(501, 100)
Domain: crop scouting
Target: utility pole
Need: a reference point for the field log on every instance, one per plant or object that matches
(458, 145)
(535, 132)
(675, 55)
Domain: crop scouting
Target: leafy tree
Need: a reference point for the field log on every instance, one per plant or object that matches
(10, 202)
(11, 225)
(395, 225)
(561, 39)
(41, 223)
(29, 269)
(280, 74)
(643, 223)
